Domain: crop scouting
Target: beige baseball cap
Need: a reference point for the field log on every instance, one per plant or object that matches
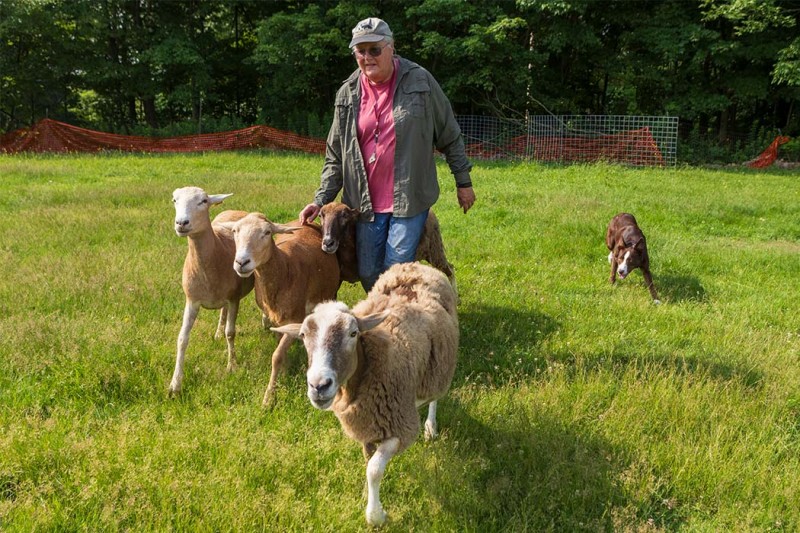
(371, 30)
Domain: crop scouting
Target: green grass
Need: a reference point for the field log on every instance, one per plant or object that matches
(575, 406)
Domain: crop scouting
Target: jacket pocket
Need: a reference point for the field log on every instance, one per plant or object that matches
(415, 98)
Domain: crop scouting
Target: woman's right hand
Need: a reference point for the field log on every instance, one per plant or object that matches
(309, 213)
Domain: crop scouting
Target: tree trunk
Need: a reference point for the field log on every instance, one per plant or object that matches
(150, 116)
(131, 110)
(726, 119)
(702, 125)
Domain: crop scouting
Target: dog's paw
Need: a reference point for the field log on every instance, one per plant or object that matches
(656, 302)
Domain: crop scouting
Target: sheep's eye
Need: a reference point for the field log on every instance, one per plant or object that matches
(204, 201)
(353, 333)
(174, 201)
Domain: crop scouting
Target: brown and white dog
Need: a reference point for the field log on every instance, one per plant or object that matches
(628, 250)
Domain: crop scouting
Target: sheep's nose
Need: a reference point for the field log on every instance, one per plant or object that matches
(322, 386)
(181, 223)
(242, 262)
(327, 241)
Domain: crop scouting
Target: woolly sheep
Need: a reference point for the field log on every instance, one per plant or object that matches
(208, 279)
(376, 364)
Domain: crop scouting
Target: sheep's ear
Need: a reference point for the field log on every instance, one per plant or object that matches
(217, 198)
(225, 225)
(353, 214)
(293, 330)
(283, 228)
(370, 321)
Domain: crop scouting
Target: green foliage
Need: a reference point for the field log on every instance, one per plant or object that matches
(152, 65)
(576, 405)
(787, 70)
(697, 149)
(791, 150)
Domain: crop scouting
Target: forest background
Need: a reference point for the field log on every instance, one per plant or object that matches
(730, 69)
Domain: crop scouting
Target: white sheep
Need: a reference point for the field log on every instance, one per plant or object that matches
(292, 274)
(339, 237)
(376, 364)
(208, 278)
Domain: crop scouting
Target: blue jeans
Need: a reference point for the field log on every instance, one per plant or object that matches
(385, 241)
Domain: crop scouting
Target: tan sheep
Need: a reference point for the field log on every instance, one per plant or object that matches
(292, 274)
(339, 237)
(376, 364)
(208, 279)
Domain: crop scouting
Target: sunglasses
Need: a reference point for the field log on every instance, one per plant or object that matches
(374, 51)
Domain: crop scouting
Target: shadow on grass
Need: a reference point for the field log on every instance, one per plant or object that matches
(498, 339)
(676, 287)
(528, 471)
(621, 361)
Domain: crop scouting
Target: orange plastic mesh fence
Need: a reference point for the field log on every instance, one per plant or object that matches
(487, 140)
(768, 156)
(52, 136)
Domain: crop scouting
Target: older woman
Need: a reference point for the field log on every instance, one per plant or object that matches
(389, 116)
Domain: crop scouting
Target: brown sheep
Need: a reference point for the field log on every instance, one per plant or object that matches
(339, 237)
(376, 364)
(208, 279)
(292, 274)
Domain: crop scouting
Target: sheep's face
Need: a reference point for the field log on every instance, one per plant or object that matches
(191, 209)
(253, 237)
(330, 335)
(254, 246)
(336, 219)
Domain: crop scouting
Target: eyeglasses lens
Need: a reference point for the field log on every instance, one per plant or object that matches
(374, 51)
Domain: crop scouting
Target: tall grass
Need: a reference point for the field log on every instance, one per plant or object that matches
(576, 405)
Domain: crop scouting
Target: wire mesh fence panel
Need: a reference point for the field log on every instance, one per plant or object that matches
(632, 140)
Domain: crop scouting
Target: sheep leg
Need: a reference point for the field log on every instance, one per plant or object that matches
(278, 360)
(230, 333)
(223, 314)
(376, 466)
(190, 311)
(431, 431)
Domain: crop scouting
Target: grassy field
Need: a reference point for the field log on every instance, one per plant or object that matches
(575, 406)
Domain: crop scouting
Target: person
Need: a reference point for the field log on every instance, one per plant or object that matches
(388, 117)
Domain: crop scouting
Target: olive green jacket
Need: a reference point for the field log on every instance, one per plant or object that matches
(423, 119)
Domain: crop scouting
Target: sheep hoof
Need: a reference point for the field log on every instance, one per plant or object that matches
(376, 517)
(174, 387)
(430, 430)
(269, 399)
(231, 367)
